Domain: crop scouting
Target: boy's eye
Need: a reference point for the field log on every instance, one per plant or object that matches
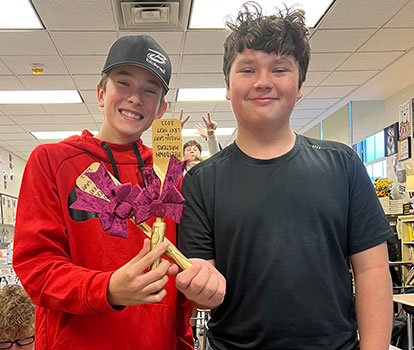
(123, 83)
(150, 91)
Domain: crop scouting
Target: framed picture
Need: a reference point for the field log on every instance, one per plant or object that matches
(391, 139)
(404, 149)
(405, 120)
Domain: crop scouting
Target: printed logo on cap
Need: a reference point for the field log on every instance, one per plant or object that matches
(154, 57)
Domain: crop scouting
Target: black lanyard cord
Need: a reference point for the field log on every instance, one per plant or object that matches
(108, 151)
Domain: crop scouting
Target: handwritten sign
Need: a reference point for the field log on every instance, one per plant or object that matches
(166, 142)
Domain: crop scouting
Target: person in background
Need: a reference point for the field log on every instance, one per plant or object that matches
(278, 214)
(209, 134)
(91, 287)
(193, 160)
(17, 318)
(191, 148)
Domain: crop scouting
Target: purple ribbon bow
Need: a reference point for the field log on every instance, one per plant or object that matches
(113, 214)
(150, 202)
(124, 200)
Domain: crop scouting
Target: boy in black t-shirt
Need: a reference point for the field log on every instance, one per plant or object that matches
(278, 214)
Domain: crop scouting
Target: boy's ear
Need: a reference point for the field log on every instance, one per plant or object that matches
(227, 92)
(161, 110)
(100, 95)
(299, 94)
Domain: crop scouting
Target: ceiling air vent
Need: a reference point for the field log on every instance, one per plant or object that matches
(150, 14)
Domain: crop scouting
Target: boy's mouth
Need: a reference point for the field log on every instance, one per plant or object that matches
(131, 115)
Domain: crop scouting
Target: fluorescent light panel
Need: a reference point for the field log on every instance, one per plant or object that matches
(40, 96)
(214, 13)
(57, 135)
(205, 94)
(18, 14)
(218, 132)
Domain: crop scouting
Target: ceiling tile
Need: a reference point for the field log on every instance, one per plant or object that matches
(4, 70)
(32, 119)
(6, 120)
(16, 143)
(171, 42)
(26, 43)
(315, 103)
(404, 18)
(331, 91)
(315, 78)
(369, 60)
(379, 12)
(87, 82)
(348, 78)
(66, 108)
(25, 109)
(94, 108)
(10, 82)
(98, 118)
(87, 43)
(89, 96)
(207, 80)
(47, 82)
(205, 42)
(76, 14)
(339, 40)
(190, 107)
(326, 61)
(16, 136)
(40, 127)
(21, 65)
(390, 39)
(73, 118)
(171, 94)
(85, 64)
(202, 64)
(79, 127)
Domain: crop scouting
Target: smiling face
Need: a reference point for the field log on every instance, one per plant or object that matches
(263, 89)
(131, 101)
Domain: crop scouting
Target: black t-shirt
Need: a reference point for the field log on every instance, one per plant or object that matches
(280, 231)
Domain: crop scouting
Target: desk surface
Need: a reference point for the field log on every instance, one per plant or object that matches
(406, 299)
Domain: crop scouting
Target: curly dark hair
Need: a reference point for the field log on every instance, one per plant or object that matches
(16, 313)
(283, 33)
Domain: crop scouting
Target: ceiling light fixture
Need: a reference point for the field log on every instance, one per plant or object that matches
(40, 97)
(213, 13)
(218, 132)
(203, 94)
(18, 14)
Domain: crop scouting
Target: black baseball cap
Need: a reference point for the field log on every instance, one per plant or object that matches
(142, 51)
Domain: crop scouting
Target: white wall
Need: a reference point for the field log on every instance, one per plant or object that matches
(337, 126)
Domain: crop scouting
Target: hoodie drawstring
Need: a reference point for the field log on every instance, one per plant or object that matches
(108, 151)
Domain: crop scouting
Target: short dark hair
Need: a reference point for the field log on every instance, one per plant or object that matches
(283, 33)
(192, 143)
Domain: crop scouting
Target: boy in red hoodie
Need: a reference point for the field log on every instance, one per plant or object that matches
(91, 289)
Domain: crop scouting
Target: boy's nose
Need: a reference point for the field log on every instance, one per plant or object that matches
(135, 98)
(263, 81)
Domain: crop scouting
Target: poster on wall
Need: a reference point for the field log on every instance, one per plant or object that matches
(404, 149)
(391, 139)
(405, 120)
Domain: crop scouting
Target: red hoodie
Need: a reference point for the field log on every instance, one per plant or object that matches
(64, 259)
